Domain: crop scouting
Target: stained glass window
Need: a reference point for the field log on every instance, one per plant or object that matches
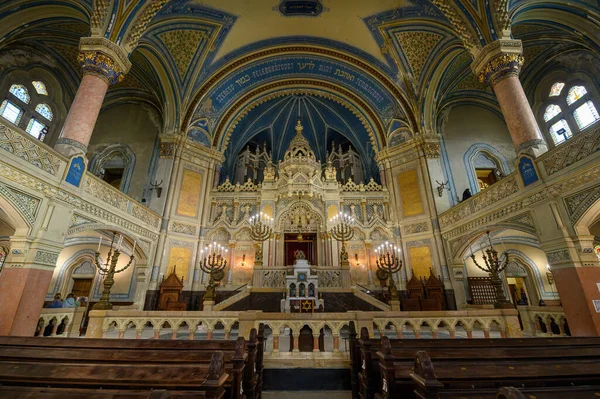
(586, 115)
(551, 111)
(37, 129)
(45, 111)
(20, 92)
(556, 89)
(560, 131)
(40, 87)
(575, 94)
(11, 112)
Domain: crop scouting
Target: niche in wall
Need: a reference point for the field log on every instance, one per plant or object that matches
(114, 164)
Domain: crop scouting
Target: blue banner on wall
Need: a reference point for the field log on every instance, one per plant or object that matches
(527, 170)
(76, 170)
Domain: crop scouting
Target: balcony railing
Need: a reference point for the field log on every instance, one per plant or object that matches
(30, 153)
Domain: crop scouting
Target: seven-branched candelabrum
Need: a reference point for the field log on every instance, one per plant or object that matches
(109, 269)
(260, 231)
(388, 262)
(342, 230)
(494, 267)
(213, 264)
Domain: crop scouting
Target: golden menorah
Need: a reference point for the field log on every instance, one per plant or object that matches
(109, 269)
(494, 267)
(388, 263)
(342, 230)
(260, 231)
(213, 264)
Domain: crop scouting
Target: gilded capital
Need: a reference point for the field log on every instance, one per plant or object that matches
(498, 60)
(103, 58)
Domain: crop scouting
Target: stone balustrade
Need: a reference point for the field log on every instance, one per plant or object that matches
(330, 327)
(533, 317)
(64, 322)
(28, 163)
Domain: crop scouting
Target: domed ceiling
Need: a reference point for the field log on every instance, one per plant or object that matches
(324, 121)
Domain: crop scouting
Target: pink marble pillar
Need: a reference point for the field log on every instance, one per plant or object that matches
(498, 64)
(84, 111)
(102, 65)
(22, 295)
(518, 115)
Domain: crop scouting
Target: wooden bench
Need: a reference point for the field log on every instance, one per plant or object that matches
(366, 371)
(28, 379)
(479, 372)
(242, 361)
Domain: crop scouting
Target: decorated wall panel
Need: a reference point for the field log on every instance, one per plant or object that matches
(180, 258)
(410, 193)
(420, 261)
(189, 194)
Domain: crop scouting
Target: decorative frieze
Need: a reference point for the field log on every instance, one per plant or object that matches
(416, 228)
(329, 278)
(558, 256)
(273, 278)
(46, 257)
(183, 228)
(574, 150)
(28, 150)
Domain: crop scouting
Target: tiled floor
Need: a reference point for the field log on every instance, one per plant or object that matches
(307, 395)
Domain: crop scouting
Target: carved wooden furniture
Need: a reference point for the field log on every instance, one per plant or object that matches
(434, 291)
(387, 362)
(124, 365)
(170, 292)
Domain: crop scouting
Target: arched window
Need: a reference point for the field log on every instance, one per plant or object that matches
(25, 111)
(569, 112)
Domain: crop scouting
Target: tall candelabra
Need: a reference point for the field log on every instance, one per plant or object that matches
(260, 231)
(213, 264)
(109, 269)
(493, 267)
(388, 262)
(342, 230)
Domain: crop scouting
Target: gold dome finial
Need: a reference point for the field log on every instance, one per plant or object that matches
(299, 127)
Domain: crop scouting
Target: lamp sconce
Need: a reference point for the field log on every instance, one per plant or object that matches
(441, 187)
(243, 262)
(356, 258)
(156, 186)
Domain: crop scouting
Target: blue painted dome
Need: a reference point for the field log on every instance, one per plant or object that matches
(325, 121)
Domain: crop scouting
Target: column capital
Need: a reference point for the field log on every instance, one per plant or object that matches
(101, 57)
(498, 60)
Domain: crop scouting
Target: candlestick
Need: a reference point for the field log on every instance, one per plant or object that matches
(99, 244)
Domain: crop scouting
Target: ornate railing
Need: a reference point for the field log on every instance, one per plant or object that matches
(62, 322)
(39, 155)
(287, 328)
(533, 317)
(567, 154)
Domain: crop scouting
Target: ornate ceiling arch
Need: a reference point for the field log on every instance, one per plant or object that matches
(356, 79)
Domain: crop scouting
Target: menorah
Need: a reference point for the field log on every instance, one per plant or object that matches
(109, 269)
(260, 230)
(389, 263)
(342, 231)
(213, 264)
(494, 268)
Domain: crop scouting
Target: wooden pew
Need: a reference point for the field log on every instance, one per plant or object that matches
(46, 380)
(468, 372)
(242, 368)
(365, 361)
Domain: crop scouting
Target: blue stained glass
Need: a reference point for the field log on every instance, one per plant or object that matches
(20, 92)
(40, 87)
(45, 111)
(37, 129)
(11, 112)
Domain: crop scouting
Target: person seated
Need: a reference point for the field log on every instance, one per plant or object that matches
(70, 302)
(57, 303)
(541, 303)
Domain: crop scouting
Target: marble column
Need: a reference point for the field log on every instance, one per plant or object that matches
(24, 283)
(103, 63)
(498, 64)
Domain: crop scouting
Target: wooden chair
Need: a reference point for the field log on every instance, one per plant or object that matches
(170, 292)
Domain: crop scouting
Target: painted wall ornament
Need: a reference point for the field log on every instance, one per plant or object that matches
(527, 170)
(301, 8)
(76, 171)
